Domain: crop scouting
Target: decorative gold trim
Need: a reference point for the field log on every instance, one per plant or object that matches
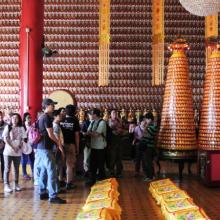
(177, 155)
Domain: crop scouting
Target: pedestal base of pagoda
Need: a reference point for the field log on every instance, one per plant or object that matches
(180, 157)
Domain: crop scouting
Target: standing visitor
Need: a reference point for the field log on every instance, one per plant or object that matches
(2, 143)
(59, 153)
(97, 132)
(139, 152)
(14, 136)
(116, 150)
(71, 131)
(26, 157)
(48, 175)
(87, 142)
(148, 144)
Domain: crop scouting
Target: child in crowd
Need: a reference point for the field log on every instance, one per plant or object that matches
(26, 157)
(148, 145)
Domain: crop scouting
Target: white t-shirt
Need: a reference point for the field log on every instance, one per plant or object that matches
(58, 132)
(15, 137)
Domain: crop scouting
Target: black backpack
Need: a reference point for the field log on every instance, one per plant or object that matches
(108, 136)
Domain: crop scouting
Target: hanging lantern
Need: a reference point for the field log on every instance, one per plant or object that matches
(157, 42)
(211, 35)
(201, 7)
(209, 132)
(104, 41)
(177, 137)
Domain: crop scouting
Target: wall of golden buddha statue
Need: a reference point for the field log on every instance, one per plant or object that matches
(74, 34)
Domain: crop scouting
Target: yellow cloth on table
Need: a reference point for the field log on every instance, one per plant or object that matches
(174, 196)
(157, 193)
(102, 188)
(110, 194)
(104, 203)
(159, 183)
(105, 185)
(174, 206)
(95, 214)
(112, 181)
(196, 214)
(111, 204)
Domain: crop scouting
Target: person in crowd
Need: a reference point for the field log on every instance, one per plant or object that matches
(2, 143)
(62, 113)
(147, 144)
(7, 118)
(116, 145)
(71, 129)
(97, 132)
(48, 175)
(138, 134)
(87, 142)
(36, 158)
(13, 136)
(132, 125)
(59, 153)
(25, 157)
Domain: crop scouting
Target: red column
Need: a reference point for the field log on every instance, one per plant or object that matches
(31, 60)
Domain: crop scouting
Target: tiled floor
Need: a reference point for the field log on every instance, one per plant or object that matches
(135, 200)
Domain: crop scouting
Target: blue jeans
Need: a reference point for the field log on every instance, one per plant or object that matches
(36, 167)
(48, 175)
(24, 162)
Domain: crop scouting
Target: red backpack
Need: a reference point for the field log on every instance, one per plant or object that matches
(34, 135)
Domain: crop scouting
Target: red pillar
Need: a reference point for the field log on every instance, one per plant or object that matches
(31, 60)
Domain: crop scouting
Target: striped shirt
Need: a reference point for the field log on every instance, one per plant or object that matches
(149, 135)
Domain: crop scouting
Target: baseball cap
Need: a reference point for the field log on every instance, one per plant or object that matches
(47, 102)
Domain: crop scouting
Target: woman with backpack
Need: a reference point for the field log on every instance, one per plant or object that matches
(13, 136)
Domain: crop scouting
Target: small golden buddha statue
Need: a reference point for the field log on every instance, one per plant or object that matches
(106, 115)
(123, 114)
(130, 116)
(81, 116)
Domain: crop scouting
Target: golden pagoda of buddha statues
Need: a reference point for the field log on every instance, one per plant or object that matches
(209, 129)
(177, 136)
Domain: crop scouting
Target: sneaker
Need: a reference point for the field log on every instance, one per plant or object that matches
(119, 175)
(44, 196)
(137, 174)
(70, 186)
(57, 200)
(62, 183)
(89, 183)
(36, 183)
(7, 188)
(17, 188)
(61, 191)
(26, 177)
(146, 179)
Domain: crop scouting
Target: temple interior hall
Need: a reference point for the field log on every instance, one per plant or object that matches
(109, 109)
